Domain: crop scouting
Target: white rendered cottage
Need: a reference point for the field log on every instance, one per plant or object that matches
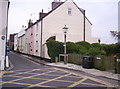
(51, 24)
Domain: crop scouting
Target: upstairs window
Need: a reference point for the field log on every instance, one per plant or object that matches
(69, 11)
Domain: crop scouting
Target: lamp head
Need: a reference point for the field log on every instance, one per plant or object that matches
(65, 29)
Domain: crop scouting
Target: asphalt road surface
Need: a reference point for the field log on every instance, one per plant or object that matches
(30, 75)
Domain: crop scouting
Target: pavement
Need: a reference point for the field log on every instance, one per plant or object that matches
(80, 68)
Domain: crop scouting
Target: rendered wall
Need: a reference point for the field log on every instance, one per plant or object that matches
(3, 29)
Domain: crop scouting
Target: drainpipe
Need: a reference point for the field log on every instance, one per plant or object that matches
(84, 28)
(41, 37)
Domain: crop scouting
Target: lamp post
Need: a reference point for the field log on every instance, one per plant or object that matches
(65, 29)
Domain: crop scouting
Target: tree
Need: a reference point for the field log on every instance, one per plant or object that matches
(116, 35)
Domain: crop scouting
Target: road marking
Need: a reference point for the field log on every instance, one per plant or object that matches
(102, 82)
(97, 80)
(94, 84)
(24, 72)
(26, 77)
(76, 83)
(20, 83)
(49, 80)
(55, 79)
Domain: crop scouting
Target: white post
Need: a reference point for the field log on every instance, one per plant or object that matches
(7, 61)
(2, 63)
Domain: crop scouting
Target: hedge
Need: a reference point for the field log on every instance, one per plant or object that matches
(55, 48)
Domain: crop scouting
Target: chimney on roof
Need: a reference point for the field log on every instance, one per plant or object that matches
(42, 14)
(42, 10)
(56, 3)
(30, 23)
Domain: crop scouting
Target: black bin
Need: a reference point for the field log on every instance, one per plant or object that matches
(88, 62)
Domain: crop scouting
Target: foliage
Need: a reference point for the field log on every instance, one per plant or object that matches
(96, 45)
(117, 50)
(115, 34)
(54, 48)
(84, 44)
(82, 50)
(76, 48)
(72, 47)
(95, 51)
(109, 49)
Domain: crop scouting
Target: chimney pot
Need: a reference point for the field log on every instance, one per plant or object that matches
(42, 10)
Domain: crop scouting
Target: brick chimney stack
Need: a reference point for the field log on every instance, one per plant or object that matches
(42, 14)
(30, 23)
(56, 3)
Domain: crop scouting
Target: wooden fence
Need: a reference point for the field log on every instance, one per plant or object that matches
(100, 62)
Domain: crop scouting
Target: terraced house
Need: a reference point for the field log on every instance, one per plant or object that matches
(50, 25)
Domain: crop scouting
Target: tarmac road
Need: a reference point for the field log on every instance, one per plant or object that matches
(26, 73)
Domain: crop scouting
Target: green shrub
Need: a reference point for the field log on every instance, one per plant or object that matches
(95, 51)
(84, 44)
(82, 50)
(117, 50)
(76, 48)
(96, 45)
(72, 47)
(54, 48)
(118, 55)
(109, 49)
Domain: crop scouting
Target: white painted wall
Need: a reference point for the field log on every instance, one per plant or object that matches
(21, 40)
(3, 26)
(15, 42)
(88, 33)
(21, 44)
(54, 22)
(37, 37)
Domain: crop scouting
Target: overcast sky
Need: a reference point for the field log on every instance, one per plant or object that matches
(102, 13)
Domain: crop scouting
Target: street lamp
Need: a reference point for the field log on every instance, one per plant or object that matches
(65, 29)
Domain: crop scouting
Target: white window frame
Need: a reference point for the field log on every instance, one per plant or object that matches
(69, 11)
